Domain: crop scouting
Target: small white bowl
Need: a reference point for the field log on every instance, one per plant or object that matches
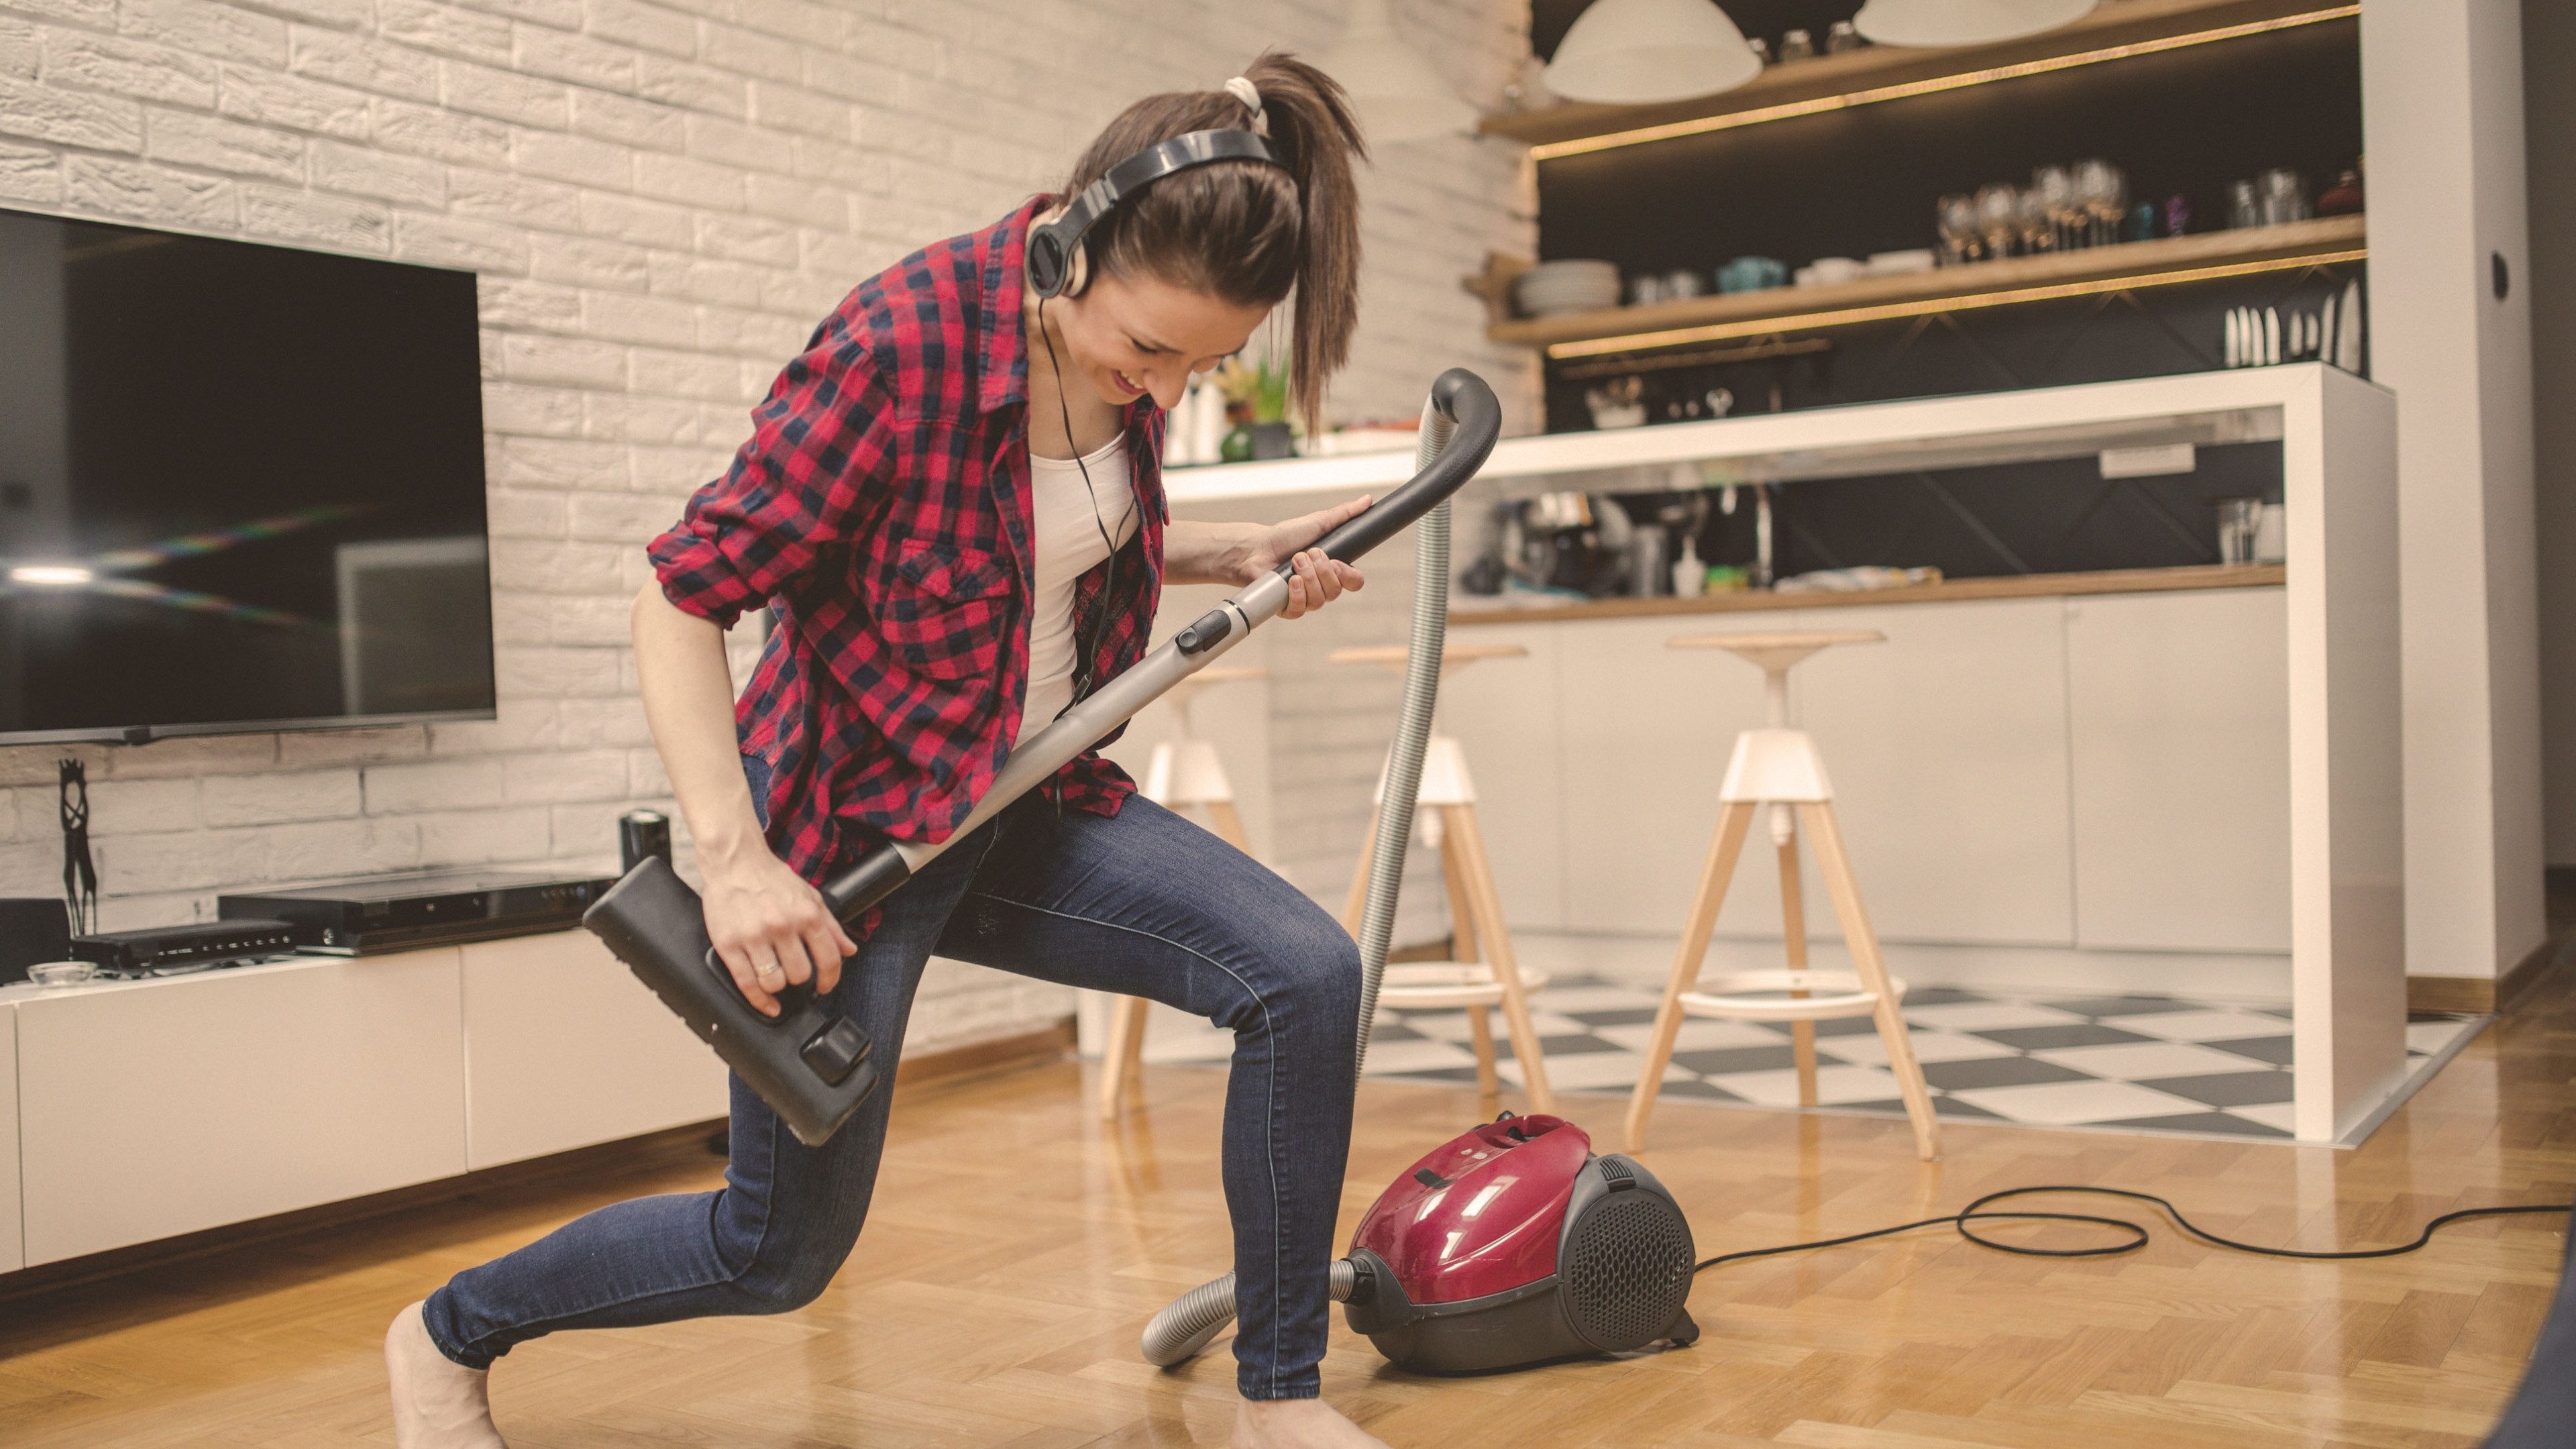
(62, 973)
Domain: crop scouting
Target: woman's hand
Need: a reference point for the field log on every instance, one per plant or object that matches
(1318, 580)
(770, 929)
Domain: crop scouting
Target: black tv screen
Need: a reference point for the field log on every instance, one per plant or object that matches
(241, 487)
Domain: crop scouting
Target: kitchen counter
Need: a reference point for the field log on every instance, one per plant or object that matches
(1486, 610)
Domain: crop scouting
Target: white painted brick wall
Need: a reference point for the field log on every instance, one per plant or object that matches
(661, 197)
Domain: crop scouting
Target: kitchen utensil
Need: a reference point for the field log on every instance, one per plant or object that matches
(1900, 263)
(2243, 208)
(2271, 335)
(2326, 330)
(1682, 282)
(2141, 225)
(62, 973)
(1646, 290)
(1650, 566)
(2272, 535)
(2102, 191)
(2282, 196)
(2177, 215)
(2349, 329)
(1797, 45)
(1955, 220)
(2343, 198)
(1827, 271)
(1752, 274)
(1567, 285)
(1843, 36)
(2239, 519)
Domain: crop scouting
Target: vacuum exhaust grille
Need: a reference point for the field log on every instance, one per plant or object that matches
(1628, 1270)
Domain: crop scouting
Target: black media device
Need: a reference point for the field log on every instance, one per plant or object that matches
(642, 834)
(241, 487)
(32, 930)
(197, 946)
(376, 914)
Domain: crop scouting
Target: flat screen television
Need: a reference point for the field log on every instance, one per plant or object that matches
(241, 488)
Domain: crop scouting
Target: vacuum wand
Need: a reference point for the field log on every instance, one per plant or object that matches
(810, 1063)
(1189, 1322)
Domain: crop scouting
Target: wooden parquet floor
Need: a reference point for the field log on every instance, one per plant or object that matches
(1017, 1246)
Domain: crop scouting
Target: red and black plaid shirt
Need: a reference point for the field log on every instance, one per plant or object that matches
(881, 510)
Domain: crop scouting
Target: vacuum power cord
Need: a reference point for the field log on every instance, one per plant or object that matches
(2137, 1235)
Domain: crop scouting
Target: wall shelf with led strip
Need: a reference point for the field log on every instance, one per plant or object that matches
(2116, 30)
(2201, 256)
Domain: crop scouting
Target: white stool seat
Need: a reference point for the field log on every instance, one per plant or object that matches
(1425, 985)
(1763, 996)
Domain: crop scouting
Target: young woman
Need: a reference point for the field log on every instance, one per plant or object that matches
(951, 506)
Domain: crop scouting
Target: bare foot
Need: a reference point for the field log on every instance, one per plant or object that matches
(1297, 1424)
(438, 1402)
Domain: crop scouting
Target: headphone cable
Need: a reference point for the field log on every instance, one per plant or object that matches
(1082, 670)
(2137, 1235)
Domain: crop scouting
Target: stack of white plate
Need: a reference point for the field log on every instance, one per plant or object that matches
(1567, 286)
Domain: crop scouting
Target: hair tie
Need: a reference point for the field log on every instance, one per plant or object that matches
(1250, 94)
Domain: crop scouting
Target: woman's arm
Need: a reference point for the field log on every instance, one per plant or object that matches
(1238, 553)
(767, 924)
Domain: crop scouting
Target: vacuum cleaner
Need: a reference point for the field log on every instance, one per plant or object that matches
(812, 1064)
(1512, 1244)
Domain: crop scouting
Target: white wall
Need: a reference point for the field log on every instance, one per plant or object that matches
(661, 197)
(2443, 126)
(2549, 124)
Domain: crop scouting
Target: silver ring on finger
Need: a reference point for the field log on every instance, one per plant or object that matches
(767, 969)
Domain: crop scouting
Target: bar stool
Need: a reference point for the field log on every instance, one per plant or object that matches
(1482, 972)
(1183, 771)
(1778, 766)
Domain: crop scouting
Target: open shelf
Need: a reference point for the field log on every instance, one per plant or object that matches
(2165, 261)
(1880, 73)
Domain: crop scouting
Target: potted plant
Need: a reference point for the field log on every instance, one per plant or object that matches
(1256, 402)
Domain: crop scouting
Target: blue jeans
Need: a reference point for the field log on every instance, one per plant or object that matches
(1143, 903)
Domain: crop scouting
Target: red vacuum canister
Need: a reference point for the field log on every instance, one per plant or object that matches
(1514, 1244)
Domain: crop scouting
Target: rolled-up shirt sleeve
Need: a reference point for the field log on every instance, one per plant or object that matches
(821, 450)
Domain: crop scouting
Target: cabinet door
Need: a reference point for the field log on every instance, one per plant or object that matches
(12, 1239)
(163, 1107)
(2180, 708)
(1504, 714)
(1946, 747)
(1647, 733)
(564, 1048)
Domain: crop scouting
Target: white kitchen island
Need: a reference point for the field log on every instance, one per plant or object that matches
(2186, 781)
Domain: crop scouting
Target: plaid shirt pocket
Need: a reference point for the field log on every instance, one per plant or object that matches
(945, 609)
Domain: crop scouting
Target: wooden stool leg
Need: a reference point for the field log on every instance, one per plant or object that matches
(1489, 1083)
(1793, 920)
(1462, 906)
(1122, 1058)
(1358, 900)
(1835, 863)
(1460, 835)
(1228, 825)
(1732, 823)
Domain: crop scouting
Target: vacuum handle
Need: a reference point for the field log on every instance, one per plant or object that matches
(1462, 418)
(1462, 399)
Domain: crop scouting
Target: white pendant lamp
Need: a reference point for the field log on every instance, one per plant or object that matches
(1398, 95)
(1963, 22)
(1639, 52)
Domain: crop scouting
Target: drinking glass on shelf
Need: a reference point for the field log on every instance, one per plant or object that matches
(1797, 45)
(1955, 218)
(2243, 210)
(2284, 196)
(2036, 224)
(2057, 198)
(2103, 194)
(1998, 217)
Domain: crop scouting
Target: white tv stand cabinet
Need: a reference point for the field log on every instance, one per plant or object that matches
(133, 1111)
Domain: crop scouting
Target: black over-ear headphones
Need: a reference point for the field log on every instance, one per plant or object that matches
(1052, 247)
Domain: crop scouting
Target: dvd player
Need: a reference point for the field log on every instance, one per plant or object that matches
(374, 914)
(196, 946)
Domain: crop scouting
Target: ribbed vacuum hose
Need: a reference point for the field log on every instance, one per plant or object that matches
(1188, 1322)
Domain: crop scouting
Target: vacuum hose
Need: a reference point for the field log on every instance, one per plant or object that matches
(1188, 1322)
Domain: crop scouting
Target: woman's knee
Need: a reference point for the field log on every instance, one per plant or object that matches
(779, 1265)
(1321, 966)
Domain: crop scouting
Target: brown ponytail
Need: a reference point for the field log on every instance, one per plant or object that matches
(1242, 231)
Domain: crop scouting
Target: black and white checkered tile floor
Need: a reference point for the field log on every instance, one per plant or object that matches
(2140, 1063)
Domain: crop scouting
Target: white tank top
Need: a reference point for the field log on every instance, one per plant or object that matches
(1069, 545)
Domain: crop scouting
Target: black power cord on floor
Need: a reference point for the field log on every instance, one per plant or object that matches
(2137, 1235)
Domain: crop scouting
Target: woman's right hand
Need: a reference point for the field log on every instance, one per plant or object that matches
(770, 928)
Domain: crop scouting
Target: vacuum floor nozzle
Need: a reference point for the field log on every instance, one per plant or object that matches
(809, 1063)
